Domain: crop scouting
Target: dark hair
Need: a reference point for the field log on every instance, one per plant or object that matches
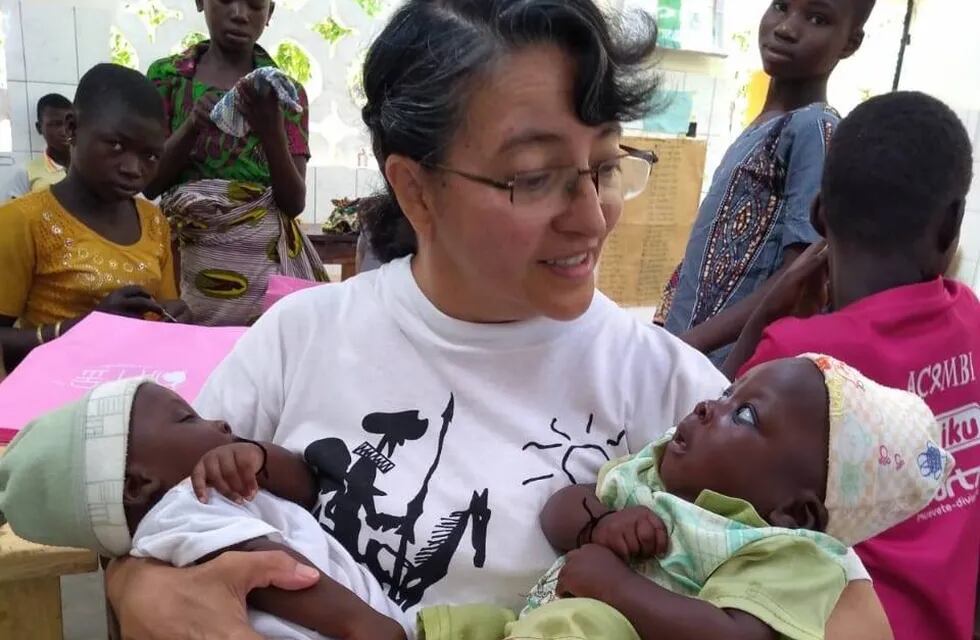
(109, 87)
(896, 163)
(419, 68)
(52, 101)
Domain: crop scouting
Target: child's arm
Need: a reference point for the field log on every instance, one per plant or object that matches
(724, 328)
(237, 470)
(574, 516)
(655, 613)
(328, 608)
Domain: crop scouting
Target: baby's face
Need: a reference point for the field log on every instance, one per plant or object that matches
(763, 441)
(167, 437)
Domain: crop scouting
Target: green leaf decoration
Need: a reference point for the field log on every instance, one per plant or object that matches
(121, 50)
(331, 30)
(152, 13)
(294, 61)
(370, 7)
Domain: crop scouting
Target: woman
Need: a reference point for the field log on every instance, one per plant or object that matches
(477, 371)
(87, 243)
(233, 201)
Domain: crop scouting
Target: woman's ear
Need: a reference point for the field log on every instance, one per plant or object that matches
(805, 511)
(272, 9)
(406, 179)
(854, 43)
(71, 127)
(139, 488)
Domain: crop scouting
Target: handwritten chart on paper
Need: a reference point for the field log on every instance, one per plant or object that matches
(649, 241)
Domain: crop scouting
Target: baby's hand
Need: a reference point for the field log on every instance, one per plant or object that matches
(635, 533)
(231, 470)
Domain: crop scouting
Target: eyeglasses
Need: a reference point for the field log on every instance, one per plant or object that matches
(616, 180)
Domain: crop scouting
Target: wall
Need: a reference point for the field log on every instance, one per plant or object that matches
(942, 27)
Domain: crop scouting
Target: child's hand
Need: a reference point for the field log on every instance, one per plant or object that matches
(376, 628)
(802, 290)
(231, 470)
(635, 533)
(592, 571)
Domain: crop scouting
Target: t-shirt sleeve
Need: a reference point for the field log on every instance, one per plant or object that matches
(17, 259)
(671, 378)
(777, 342)
(784, 581)
(804, 172)
(298, 127)
(247, 389)
(180, 530)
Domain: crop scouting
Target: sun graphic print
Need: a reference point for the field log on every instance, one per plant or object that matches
(579, 456)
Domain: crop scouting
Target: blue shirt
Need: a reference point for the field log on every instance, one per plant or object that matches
(758, 204)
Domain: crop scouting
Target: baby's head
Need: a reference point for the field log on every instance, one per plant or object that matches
(811, 443)
(85, 475)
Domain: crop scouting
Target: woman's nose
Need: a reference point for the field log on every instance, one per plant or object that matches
(786, 31)
(583, 215)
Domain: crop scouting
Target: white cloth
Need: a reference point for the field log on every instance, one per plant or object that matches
(180, 530)
(19, 184)
(506, 415)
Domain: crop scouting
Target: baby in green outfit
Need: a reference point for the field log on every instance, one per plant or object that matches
(736, 524)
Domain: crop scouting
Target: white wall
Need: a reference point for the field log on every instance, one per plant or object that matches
(943, 60)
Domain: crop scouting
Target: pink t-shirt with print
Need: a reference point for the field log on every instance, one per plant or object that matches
(924, 338)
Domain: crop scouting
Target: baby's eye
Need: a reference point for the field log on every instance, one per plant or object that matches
(746, 415)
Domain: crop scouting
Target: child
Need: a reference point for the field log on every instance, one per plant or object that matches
(891, 207)
(40, 173)
(88, 243)
(714, 531)
(108, 473)
(774, 412)
(232, 200)
(755, 219)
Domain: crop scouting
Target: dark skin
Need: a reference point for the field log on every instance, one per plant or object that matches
(52, 127)
(234, 27)
(169, 442)
(763, 442)
(837, 273)
(801, 42)
(115, 154)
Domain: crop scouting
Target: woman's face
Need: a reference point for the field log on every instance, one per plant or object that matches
(236, 24)
(486, 259)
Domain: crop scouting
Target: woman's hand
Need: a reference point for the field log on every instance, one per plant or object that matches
(177, 311)
(802, 290)
(131, 301)
(262, 110)
(153, 601)
(231, 470)
(592, 571)
(200, 117)
(634, 533)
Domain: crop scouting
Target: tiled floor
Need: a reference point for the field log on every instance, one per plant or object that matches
(83, 607)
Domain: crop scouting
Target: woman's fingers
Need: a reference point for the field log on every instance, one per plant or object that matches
(243, 572)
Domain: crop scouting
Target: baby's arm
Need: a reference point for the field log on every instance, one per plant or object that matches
(237, 470)
(328, 607)
(574, 516)
(655, 613)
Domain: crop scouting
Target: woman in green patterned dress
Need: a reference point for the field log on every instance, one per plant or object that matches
(233, 201)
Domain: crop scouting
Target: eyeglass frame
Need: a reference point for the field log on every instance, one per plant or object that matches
(630, 152)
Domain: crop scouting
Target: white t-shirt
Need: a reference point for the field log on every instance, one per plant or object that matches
(439, 441)
(180, 530)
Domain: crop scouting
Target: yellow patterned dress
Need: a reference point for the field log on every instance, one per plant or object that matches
(56, 268)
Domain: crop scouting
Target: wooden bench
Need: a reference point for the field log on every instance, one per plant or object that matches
(30, 585)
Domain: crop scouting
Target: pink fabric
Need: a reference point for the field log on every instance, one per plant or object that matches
(103, 348)
(281, 286)
(924, 338)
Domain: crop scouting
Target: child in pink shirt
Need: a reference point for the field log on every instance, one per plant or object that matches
(890, 207)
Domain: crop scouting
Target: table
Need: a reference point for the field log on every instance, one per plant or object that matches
(30, 585)
(334, 248)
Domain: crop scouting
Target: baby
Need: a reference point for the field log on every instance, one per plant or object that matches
(723, 515)
(736, 523)
(111, 473)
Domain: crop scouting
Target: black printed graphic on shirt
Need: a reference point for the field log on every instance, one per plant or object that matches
(569, 450)
(347, 504)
